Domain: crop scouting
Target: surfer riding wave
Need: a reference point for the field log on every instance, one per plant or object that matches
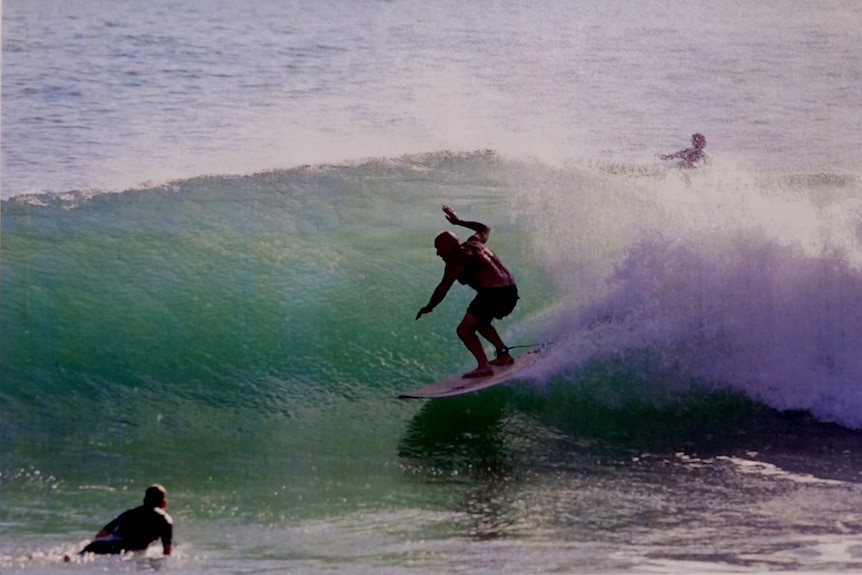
(473, 264)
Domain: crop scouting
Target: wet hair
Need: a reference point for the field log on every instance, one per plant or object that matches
(155, 495)
(698, 139)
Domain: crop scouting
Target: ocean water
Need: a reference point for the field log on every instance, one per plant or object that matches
(217, 221)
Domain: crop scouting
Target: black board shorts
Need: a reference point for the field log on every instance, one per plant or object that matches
(493, 303)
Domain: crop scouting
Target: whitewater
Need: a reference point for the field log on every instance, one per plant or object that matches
(217, 227)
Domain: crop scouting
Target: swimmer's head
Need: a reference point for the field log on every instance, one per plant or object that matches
(156, 496)
(698, 140)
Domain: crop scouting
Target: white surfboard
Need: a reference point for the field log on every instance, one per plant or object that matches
(458, 385)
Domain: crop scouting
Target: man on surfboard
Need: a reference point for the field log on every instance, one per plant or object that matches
(473, 264)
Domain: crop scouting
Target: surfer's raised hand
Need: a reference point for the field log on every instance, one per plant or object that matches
(423, 311)
(481, 229)
(453, 218)
(451, 215)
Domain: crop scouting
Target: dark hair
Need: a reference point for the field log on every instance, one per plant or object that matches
(155, 495)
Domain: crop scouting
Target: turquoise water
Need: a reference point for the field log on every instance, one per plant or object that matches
(243, 340)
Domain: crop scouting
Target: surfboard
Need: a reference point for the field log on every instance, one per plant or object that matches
(457, 385)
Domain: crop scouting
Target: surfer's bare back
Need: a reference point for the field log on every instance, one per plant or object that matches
(473, 264)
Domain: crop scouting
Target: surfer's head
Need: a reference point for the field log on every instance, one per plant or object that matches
(156, 496)
(698, 140)
(447, 245)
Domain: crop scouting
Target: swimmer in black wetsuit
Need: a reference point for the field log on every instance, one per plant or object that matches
(689, 157)
(136, 528)
(473, 264)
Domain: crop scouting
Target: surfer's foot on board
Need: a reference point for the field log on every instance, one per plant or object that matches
(503, 357)
(479, 372)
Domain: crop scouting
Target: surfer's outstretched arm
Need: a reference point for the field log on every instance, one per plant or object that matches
(482, 231)
(439, 293)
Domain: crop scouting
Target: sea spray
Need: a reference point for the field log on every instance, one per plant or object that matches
(721, 279)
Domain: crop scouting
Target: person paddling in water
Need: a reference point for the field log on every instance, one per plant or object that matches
(135, 529)
(473, 264)
(689, 157)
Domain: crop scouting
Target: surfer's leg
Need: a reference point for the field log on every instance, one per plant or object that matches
(489, 332)
(105, 546)
(467, 332)
(494, 303)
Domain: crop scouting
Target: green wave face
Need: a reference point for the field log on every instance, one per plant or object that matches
(228, 331)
